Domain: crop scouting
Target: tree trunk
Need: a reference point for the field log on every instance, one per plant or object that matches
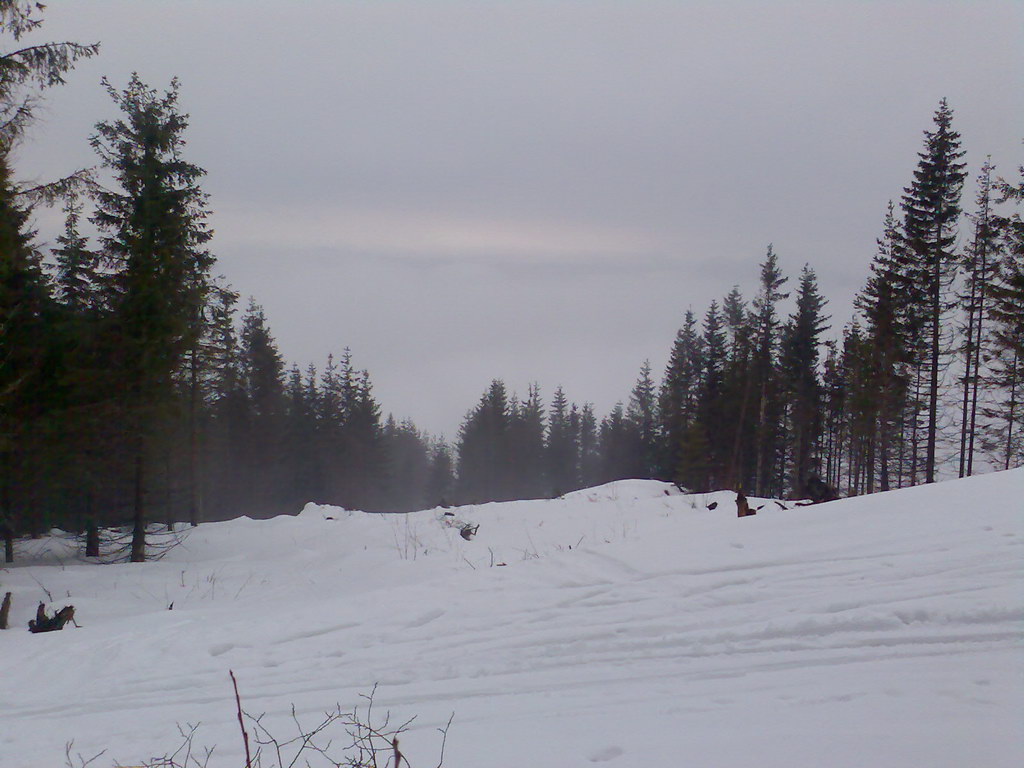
(883, 465)
(977, 364)
(5, 610)
(915, 427)
(901, 451)
(736, 471)
(969, 358)
(193, 443)
(1012, 412)
(762, 423)
(933, 383)
(138, 552)
(869, 465)
(92, 539)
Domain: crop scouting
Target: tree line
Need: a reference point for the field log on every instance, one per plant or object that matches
(134, 390)
(928, 374)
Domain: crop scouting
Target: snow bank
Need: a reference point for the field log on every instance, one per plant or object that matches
(627, 624)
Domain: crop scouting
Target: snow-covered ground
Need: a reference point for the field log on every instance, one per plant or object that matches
(628, 625)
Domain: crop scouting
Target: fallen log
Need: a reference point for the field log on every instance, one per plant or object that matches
(44, 623)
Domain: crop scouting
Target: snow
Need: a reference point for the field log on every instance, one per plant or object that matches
(625, 625)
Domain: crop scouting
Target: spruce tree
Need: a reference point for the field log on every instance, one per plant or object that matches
(834, 386)
(562, 450)
(332, 405)
(619, 440)
(27, 70)
(736, 389)
(483, 448)
(980, 261)
(642, 411)
(24, 301)
(800, 356)
(300, 443)
(25, 341)
(765, 326)
(590, 448)
(262, 371)
(888, 317)
(711, 415)
(1005, 434)
(76, 280)
(678, 397)
(153, 236)
(931, 207)
(409, 467)
(366, 462)
(441, 480)
(526, 445)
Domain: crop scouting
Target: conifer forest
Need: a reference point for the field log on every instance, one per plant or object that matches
(138, 389)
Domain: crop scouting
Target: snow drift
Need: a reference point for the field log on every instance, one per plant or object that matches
(627, 624)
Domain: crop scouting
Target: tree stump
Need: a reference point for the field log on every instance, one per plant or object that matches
(5, 611)
(742, 506)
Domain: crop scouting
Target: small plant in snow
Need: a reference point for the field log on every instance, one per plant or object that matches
(369, 742)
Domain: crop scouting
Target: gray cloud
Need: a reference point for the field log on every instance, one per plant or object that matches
(461, 190)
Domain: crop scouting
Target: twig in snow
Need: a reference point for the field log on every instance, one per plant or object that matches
(82, 762)
(444, 739)
(244, 585)
(241, 723)
(37, 581)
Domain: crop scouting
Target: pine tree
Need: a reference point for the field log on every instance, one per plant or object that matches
(526, 445)
(678, 397)
(834, 386)
(25, 343)
(228, 433)
(736, 389)
(262, 370)
(619, 440)
(562, 449)
(332, 406)
(1005, 435)
(980, 261)
(27, 70)
(154, 233)
(483, 448)
(931, 207)
(800, 356)
(590, 448)
(765, 327)
(441, 481)
(890, 316)
(262, 365)
(861, 408)
(366, 464)
(300, 439)
(24, 300)
(409, 466)
(642, 412)
(76, 280)
(711, 414)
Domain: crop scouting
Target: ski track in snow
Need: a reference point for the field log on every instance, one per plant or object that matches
(630, 626)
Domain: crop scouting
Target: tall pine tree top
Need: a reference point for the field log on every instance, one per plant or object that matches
(153, 230)
(931, 204)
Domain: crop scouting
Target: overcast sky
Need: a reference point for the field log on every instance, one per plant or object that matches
(462, 191)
